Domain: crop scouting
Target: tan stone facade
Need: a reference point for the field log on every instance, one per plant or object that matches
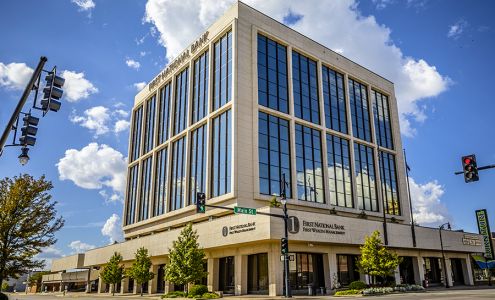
(241, 247)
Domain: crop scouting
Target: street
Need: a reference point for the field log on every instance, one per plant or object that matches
(453, 294)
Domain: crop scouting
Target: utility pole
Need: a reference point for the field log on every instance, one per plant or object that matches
(22, 101)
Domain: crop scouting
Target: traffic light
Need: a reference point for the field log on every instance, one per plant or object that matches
(470, 168)
(200, 203)
(29, 130)
(52, 93)
(284, 246)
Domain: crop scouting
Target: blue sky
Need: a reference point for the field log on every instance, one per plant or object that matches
(438, 53)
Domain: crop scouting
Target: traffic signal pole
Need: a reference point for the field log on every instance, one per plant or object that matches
(479, 169)
(286, 226)
(21, 102)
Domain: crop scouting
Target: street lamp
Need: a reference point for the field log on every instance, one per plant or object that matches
(443, 253)
(283, 200)
(24, 157)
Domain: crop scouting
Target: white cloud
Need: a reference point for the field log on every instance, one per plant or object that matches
(139, 85)
(84, 5)
(428, 209)
(114, 197)
(456, 30)
(143, 53)
(94, 167)
(113, 229)
(80, 247)
(15, 76)
(77, 87)
(382, 4)
(131, 63)
(95, 119)
(336, 24)
(121, 125)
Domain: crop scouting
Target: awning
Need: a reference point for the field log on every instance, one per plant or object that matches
(483, 263)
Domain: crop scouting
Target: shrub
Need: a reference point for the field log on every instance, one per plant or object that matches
(408, 288)
(197, 290)
(378, 291)
(175, 294)
(3, 296)
(347, 292)
(357, 285)
(209, 295)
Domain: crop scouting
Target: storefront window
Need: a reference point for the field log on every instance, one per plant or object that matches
(258, 273)
(347, 270)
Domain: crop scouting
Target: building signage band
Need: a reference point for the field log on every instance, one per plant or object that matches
(179, 60)
(314, 226)
(484, 230)
(229, 230)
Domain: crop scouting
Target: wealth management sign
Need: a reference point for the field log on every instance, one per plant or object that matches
(484, 230)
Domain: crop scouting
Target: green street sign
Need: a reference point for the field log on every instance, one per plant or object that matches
(244, 210)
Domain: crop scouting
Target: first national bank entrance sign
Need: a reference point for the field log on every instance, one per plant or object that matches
(295, 225)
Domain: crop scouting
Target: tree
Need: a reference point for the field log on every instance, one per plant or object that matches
(140, 269)
(113, 271)
(28, 222)
(186, 259)
(376, 259)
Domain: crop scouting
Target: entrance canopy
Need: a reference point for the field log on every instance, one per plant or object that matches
(483, 263)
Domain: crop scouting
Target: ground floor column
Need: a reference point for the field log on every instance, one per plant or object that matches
(88, 281)
(240, 274)
(169, 287)
(153, 283)
(397, 275)
(275, 269)
(212, 279)
(448, 272)
(61, 288)
(100, 286)
(124, 285)
(419, 270)
(332, 266)
(467, 270)
(137, 288)
(326, 272)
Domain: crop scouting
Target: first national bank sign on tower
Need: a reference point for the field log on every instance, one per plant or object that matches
(179, 60)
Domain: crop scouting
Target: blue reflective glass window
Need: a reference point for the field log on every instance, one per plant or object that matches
(305, 88)
(200, 91)
(131, 198)
(222, 77)
(197, 179)
(163, 115)
(274, 154)
(272, 74)
(365, 177)
(309, 165)
(160, 183)
(149, 124)
(145, 194)
(359, 110)
(136, 133)
(178, 177)
(339, 171)
(381, 113)
(389, 183)
(181, 92)
(334, 100)
(221, 154)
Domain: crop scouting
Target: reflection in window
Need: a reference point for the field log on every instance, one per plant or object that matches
(305, 87)
(144, 203)
(339, 171)
(365, 177)
(272, 74)
(222, 154)
(178, 186)
(274, 154)
(334, 99)
(359, 111)
(181, 92)
(381, 113)
(131, 194)
(163, 115)
(136, 133)
(389, 183)
(222, 77)
(198, 163)
(160, 183)
(149, 125)
(309, 165)
(347, 268)
(200, 93)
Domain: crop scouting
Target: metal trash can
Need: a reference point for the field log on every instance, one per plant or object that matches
(310, 290)
(323, 290)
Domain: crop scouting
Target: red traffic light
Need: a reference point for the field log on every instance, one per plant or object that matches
(467, 160)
